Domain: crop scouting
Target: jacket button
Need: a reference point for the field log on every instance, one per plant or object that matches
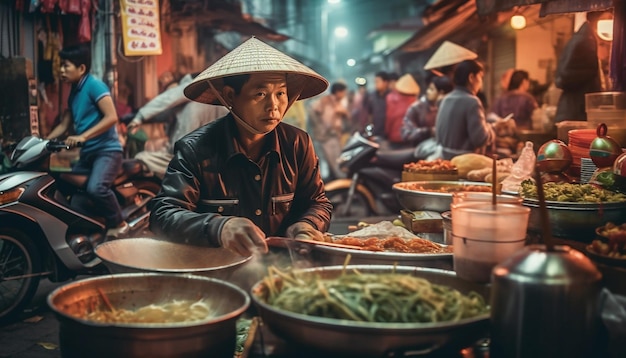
(258, 212)
(257, 177)
(220, 209)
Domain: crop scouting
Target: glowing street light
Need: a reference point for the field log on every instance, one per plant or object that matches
(351, 62)
(341, 31)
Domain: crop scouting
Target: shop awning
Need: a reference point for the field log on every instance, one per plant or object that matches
(440, 24)
(219, 15)
(486, 7)
(452, 20)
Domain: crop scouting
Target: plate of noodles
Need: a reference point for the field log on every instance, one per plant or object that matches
(389, 310)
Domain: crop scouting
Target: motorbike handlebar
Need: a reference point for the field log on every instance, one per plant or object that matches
(55, 146)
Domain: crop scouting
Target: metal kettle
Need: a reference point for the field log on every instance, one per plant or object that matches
(544, 303)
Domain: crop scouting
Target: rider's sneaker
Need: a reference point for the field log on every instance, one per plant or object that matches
(118, 232)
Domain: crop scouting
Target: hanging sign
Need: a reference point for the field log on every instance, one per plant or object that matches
(141, 32)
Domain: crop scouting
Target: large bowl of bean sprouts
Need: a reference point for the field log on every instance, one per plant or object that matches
(148, 315)
(373, 310)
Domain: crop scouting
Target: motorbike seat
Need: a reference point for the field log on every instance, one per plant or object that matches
(130, 168)
(395, 158)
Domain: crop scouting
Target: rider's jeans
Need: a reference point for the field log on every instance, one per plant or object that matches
(103, 168)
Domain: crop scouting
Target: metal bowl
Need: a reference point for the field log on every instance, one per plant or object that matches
(575, 221)
(327, 256)
(214, 336)
(429, 200)
(151, 255)
(376, 339)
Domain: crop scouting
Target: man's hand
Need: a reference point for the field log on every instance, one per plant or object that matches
(241, 236)
(304, 230)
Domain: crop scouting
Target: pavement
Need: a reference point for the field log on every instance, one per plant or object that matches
(35, 333)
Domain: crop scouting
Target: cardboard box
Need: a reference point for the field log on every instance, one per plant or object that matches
(422, 221)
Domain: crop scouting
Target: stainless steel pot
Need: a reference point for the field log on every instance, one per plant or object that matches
(576, 221)
(544, 304)
(429, 200)
(214, 336)
(375, 339)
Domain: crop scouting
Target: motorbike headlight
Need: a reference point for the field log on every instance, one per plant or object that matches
(10, 196)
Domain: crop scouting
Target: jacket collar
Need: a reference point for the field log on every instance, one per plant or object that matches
(271, 147)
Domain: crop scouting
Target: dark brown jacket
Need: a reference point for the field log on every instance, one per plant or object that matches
(209, 181)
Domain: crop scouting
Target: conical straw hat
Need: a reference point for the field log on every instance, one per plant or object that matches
(449, 54)
(254, 56)
(407, 85)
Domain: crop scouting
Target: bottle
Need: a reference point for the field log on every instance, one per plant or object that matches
(521, 170)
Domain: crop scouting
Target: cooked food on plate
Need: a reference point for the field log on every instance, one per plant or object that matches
(394, 244)
(385, 236)
(613, 243)
(443, 188)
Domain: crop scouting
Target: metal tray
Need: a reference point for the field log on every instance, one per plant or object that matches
(376, 339)
(327, 255)
(429, 200)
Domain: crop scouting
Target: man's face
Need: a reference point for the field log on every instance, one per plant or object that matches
(70, 73)
(476, 81)
(380, 84)
(263, 101)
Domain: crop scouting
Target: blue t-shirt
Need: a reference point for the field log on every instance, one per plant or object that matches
(83, 102)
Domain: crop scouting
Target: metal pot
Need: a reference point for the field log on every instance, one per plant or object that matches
(351, 338)
(575, 221)
(214, 336)
(426, 200)
(544, 304)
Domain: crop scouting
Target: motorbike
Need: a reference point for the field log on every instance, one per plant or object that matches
(371, 173)
(42, 235)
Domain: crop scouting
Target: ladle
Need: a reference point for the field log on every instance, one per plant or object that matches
(546, 231)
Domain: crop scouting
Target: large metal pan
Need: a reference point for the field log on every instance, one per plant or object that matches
(361, 339)
(152, 255)
(328, 256)
(429, 200)
(575, 221)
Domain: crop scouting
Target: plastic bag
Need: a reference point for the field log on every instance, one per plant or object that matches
(613, 313)
(521, 170)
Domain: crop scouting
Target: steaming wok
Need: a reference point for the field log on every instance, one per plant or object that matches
(362, 339)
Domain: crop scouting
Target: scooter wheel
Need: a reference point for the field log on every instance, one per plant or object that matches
(19, 258)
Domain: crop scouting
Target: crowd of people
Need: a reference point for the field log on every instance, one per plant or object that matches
(213, 118)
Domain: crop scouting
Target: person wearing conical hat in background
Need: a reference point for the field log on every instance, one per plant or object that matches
(245, 176)
(445, 59)
(460, 126)
(399, 99)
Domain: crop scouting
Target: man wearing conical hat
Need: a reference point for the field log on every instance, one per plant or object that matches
(245, 176)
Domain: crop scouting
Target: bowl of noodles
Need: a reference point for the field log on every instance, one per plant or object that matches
(373, 310)
(148, 315)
